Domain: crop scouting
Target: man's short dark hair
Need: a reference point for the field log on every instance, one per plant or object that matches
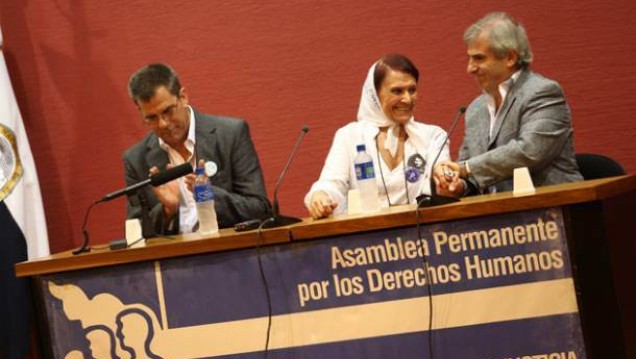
(145, 81)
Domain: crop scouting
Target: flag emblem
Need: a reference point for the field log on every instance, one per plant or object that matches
(10, 165)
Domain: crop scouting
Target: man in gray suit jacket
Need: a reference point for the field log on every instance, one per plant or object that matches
(521, 120)
(181, 134)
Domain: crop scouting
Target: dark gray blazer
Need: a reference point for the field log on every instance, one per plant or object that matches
(238, 186)
(533, 130)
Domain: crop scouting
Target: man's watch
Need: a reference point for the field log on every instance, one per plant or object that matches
(464, 170)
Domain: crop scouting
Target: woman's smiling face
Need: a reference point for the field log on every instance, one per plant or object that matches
(397, 96)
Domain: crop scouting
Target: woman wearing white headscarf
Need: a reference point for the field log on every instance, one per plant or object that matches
(402, 150)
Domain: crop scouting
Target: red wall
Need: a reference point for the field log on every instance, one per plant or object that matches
(280, 64)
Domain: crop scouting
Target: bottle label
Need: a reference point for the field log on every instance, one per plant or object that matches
(364, 171)
(203, 193)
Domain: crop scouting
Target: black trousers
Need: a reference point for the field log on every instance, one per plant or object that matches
(14, 292)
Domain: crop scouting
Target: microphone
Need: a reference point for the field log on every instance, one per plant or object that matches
(434, 199)
(155, 180)
(277, 220)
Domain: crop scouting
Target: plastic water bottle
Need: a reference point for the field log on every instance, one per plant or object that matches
(367, 187)
(204, 196)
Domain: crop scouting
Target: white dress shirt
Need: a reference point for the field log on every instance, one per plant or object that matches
(187, 205)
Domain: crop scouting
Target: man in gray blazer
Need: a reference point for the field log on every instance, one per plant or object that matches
(521, 120)
(181, 134)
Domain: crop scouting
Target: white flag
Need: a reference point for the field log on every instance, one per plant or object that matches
(19, 186)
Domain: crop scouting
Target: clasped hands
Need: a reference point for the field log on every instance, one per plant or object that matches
(447, 179)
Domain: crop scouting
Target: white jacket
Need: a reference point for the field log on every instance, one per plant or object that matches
(338, 174)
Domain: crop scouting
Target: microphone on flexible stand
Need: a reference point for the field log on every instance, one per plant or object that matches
(434, 199)
(155, 180)
(277, 220)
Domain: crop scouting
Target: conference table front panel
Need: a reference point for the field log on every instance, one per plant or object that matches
(497, 286)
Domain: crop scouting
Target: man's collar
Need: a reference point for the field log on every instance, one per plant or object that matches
(505, 86)
(191, 132)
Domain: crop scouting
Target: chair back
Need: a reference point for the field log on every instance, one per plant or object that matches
(595, 166)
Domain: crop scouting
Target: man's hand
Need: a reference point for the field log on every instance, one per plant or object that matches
(168, 194)
(188, 179)
(321, 205)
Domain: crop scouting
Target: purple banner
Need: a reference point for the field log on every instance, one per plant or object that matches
(490, 288)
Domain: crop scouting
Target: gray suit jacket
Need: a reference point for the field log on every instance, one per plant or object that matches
(238, 186)
(533, 130)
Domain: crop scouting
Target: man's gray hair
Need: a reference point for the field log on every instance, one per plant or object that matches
(504, 34)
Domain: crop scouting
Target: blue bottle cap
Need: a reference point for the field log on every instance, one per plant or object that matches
(361, 148)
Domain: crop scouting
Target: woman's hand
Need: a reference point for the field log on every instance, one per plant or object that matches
(321, 205)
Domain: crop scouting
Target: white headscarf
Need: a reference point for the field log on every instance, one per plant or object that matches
(370, 110)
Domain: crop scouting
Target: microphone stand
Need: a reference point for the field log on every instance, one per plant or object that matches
(85, 248)
(137, 198)
(147, 231)
(277, 220)
(434, 199)
(146, 224)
